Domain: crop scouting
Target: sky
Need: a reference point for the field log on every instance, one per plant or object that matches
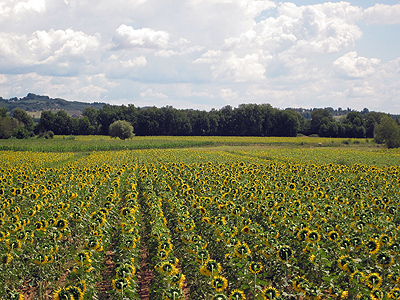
(204, 54)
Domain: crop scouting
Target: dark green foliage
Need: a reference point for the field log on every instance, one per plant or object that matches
(7, 124)
(388, 132)
(245, 120)
(23, 118)
(22, 133)
(121, 129)
(47, 135)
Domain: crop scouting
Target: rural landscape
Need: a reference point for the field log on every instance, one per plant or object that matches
(112, 214)
(199, 150)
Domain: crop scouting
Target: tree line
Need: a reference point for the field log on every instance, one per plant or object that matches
(244, 120)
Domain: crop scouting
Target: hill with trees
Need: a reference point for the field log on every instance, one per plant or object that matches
(35, 104)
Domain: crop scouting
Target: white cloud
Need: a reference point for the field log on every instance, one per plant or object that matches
(323, 28)
(252, 8)
(53, 48)
(149, 93)
(286, 45)
(128, 37)
(357, 91)
(35, 5)
(240, 69)
(355, 66)
(228, 95)
(139, 61)
(382, 14)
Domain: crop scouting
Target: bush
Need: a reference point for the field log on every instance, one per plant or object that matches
(47, 135)
(121, 129)
(21, 133)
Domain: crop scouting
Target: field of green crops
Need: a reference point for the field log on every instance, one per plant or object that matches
(287, 222)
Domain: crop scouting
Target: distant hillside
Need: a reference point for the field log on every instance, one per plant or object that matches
(35, 104)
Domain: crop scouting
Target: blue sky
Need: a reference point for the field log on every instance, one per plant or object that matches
(204, 54)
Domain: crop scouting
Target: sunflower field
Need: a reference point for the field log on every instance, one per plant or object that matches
(200, 224)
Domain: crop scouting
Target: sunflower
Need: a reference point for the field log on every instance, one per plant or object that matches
(242, 250)
(394, 277)
(357, 276)
(302, 234)
(364, 297)
(356, 242)
(6, 258)
(372, 246)
(219, 283)
(83, 258)
(61, 293)
(300, 283)
(13, 295)
(173, 293)
(75, 293)
(202, 255)
(228, 257)
(344, 261)
(373, 280)
(41, 259)
(270, 293)
(178, 279)
(312, 293)
(167, 269)
(313, 236)
(333, 235)
(384, 259)
(219, 296)
(394, 294)
(62, 224)
(237, 295)
(125, 271)
(285, 253)
(120, 284)
(377, 294)
(255, 267)
(13, 244)
(210, 267)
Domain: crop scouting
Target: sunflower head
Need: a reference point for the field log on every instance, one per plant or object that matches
(219, 283)
(120, 284)
(219, 296)
(270, 293)
(174, 293)
(372, 246)
(255, 267)
(285, 253)
(373, 280)
(384, 259)
(237, 295)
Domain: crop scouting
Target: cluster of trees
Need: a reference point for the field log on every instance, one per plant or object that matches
(244, 120)
(20, 125)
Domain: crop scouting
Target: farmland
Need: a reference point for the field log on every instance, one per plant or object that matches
(207, 218)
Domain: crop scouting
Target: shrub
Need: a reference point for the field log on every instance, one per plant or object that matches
(47, 135)
(121, 129)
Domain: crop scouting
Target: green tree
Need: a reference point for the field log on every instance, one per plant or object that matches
(121, 129)
(7, 126)
(321, 117)
(22, 133)
(388, 132)
(23, 118)
(355, 122)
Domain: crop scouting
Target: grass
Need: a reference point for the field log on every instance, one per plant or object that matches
(105, 143)
(87, 145)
